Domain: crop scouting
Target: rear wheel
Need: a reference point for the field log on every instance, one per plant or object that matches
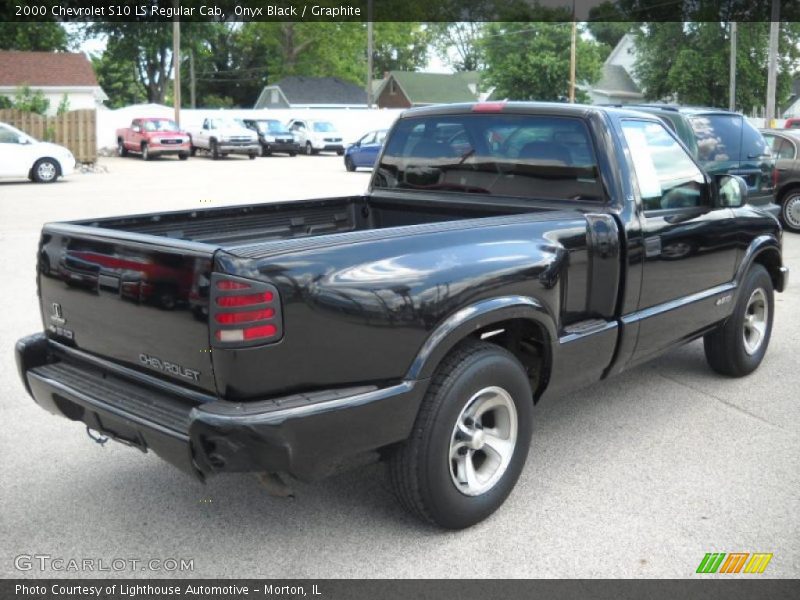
(790, 211)
(470, 439)
(340, 152)
(45, 170)
(292, 153)
(738, 346)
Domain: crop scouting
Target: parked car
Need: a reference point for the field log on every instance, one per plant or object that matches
(221, 136)
(420, 322)
(273, 136)
(723, 142)
(792, 123)
(153, 136)
(365, 151)
(23, 156)
(784, 144)
(314, 136)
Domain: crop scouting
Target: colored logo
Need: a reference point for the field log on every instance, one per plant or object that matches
(734, 562)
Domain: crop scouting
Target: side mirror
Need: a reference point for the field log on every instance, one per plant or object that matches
(731, 191)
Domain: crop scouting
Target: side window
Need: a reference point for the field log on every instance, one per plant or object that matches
(7, 136)
(785, 150)
(368, 139)
(667, 176)
(753, 144)
(719, 137)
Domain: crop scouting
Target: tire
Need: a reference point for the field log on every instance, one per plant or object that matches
(309, 149)
(252, 156)
(738, 346)
(292, 153)
(146, 152)
(340, 152)
(45, 170)
(435, 488)
(183, 156)
(348, 164)
(214, 149)
(121, 150)
(192, 148)
(265, 151)
(790, 211)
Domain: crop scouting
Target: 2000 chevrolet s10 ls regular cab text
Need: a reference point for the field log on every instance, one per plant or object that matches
(503, 253)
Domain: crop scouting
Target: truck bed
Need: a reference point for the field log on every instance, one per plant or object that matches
(249, 224)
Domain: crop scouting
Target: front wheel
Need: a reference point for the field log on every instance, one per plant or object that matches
(45, 170)
(183, 156)
(252, 156)
(349, 164)
(265, 150)
(737, 347)
(340, 152)
(121, 150)
(145, 152)
(470, 439)
(790, 211)
(309, 149)
(214, 150)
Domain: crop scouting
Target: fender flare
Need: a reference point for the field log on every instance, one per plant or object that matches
(761, 246)
(476, 316)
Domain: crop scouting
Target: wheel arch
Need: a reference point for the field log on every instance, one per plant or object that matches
(520, 324)
(766, 251)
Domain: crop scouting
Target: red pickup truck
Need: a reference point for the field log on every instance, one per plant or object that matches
(153, 137)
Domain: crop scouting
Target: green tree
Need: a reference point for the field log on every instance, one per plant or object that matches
(28, 100)
(607, 24)
(530, 61)
(688, 62)
(145, 46)
(46, 36)
(458, 44)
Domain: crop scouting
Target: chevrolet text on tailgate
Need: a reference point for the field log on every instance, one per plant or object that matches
(503, 253)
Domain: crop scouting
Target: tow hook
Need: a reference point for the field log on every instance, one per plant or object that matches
(276, 485)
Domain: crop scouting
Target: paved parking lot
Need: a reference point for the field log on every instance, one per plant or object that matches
(638, 476)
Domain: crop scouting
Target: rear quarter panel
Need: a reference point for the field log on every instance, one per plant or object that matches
(359, 307)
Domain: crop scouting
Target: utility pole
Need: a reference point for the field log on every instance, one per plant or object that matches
(572, 49)
(176, 66)
(192, 80)
(732, 76)
(774, 28)
(370, 51)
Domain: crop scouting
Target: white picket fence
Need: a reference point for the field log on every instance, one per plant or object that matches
(351, 122)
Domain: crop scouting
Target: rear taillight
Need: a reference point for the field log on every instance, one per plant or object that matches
(243, 312)
(775, 176)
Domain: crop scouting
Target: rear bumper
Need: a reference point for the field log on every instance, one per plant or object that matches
(306, 435)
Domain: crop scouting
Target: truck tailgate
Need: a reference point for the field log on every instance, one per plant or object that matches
(139, 304)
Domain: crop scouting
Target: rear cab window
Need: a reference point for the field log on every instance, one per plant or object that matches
(524, 156)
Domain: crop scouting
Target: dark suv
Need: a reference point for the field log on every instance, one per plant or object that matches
(723, 142)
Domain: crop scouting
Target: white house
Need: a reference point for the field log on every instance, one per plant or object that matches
(55, 74)
(617, 83)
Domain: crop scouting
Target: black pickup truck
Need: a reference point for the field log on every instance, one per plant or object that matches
(502, 253)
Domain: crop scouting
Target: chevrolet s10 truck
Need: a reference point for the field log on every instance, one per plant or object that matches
(503, 253)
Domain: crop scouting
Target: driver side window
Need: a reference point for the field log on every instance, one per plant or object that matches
(7, 136)
(667, 176)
